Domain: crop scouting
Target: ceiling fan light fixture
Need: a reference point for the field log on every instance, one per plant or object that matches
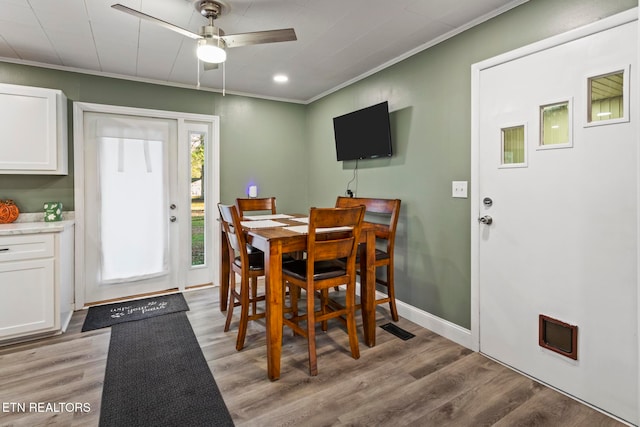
(209, 51)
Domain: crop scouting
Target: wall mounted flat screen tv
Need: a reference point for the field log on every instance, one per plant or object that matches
(363, 134)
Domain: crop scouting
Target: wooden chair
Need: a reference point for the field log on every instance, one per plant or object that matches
(249, 266)
(323, 270)
(255, 205)
(258, 205)
(389, 209)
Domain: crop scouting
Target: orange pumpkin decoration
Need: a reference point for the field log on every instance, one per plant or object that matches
(8, 211)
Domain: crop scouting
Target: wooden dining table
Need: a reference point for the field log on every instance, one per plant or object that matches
(276, 241)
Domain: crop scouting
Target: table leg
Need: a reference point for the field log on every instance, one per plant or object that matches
(274, 307)
(225, 271)
(368, 289)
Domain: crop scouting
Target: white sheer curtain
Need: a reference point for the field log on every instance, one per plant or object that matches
(133, 186)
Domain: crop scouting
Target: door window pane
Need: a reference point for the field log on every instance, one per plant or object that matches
(133, 224)
(555, 125)
(606, 97)
(513, 146)
(198, 182)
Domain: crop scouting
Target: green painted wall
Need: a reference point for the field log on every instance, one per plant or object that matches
(276, 132)
(430, 101)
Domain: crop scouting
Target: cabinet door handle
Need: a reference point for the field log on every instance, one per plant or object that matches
(4, 249)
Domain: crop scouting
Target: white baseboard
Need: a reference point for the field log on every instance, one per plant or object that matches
(435, 324)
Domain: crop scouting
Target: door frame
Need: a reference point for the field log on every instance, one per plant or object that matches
(212, 196)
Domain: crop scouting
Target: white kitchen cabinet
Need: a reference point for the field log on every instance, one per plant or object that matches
(33, 131)
(36, 279)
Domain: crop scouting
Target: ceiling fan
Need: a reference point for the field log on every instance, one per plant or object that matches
(212, 41)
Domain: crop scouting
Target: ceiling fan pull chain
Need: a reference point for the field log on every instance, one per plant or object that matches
(224, 79)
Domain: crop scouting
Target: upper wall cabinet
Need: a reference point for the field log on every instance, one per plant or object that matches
(33, 131)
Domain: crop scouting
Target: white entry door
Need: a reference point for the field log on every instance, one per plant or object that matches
(129, 187)
(557, 181)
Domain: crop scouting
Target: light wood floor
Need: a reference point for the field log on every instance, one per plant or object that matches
(425, 381)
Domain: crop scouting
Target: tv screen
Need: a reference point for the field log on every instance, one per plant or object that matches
(363, 134)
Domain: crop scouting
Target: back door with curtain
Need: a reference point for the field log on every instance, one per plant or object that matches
(130, 183)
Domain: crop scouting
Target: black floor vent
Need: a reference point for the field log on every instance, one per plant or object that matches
(397, 331)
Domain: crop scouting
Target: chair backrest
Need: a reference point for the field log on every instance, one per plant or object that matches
(233, 231)
(255, 204)
(322, 246)
(388, 208)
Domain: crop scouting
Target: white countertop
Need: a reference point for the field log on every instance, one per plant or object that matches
(34, 227)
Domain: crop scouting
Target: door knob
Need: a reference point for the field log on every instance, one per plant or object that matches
(172, 218)
(487, 220)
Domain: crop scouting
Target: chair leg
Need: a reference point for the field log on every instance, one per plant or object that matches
(351, 321)
(324, 301)
(391, 294)
(244, 313)
(254, 293)
(284, 297)
(311, 333)
(230, 305)
(294, 294)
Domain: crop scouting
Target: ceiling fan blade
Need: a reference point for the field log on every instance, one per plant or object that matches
(150, 18)
(259, 37)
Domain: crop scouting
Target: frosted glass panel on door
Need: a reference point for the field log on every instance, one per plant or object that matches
(133, 223)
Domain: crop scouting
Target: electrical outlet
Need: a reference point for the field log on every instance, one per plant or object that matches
(459, 189)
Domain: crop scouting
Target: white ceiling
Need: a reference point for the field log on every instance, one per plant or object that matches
(338, 42)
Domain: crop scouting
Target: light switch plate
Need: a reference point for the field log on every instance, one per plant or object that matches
(459, 189)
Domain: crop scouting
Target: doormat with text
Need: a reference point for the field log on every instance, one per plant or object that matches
(103, 316)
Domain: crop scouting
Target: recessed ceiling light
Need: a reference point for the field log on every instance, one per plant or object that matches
(280, 78)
